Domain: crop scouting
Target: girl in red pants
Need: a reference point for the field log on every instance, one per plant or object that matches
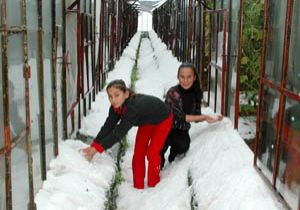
(129, 109)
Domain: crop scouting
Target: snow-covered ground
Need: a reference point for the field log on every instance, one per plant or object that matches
(219, 161)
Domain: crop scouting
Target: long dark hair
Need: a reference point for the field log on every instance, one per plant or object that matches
(120, 84)
(196, 85)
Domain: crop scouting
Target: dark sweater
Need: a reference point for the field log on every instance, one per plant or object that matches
(182, 102)
(136, 111)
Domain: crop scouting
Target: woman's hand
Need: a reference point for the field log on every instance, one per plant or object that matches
(213, 119)
(88, 152)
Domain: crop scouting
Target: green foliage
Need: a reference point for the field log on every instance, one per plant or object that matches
(193, 203)
(112, 194)
(247, 110)
(252, 44)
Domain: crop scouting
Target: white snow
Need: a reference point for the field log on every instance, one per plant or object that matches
(220, 163)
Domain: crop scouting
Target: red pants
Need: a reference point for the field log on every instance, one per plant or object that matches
(149, 141)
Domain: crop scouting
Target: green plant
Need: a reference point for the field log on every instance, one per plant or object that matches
(252, 44)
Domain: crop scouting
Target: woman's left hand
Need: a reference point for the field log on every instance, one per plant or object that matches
(213, 119)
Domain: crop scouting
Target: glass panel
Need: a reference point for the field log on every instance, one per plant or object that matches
(233, 57)
(14, 18)
(97, 36)
(19, 177)
(16, 86)
(82, 6)
(48, 78)
(274, 51)
(87, 6)
(85, 71)
(288, 183)
(219, 91)
(266, 147)
(2, 183)
(293, 77)
(59, 15)
(71, 21)
(90, 67)
(212, 88)
(34, 93)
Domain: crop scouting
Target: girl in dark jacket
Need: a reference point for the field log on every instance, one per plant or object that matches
(184, 100)
(128, 109)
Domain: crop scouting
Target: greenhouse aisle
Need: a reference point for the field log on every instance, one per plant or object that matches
(216, 173)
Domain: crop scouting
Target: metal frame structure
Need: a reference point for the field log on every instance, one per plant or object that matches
(219, 14)
(281, 88)
(186, 27)
(25, 134)
(117, 25)
(183, 48)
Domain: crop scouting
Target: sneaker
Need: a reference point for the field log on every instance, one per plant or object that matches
(171, 157)
(162, 162)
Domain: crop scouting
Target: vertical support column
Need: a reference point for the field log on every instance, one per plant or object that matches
(216, 70)
(64, 75)
(93, 34)
(224, 65)
(202, 85)
(262, 74)
(209, 59)
(26, 69)
(40, 62)
(54, 43)
(79, 83)
(238, 66)
(6, 120)
(190, 17)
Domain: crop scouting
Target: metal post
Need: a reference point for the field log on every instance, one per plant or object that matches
(238, 66)
(64, 75)
(6, 120)
(40, 62)
(26, 68)
(262, 73)
(224, 65)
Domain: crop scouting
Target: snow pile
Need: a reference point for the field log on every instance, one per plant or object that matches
(74, 183)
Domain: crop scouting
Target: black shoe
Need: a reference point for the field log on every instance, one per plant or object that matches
(171, 157)
(162, 162)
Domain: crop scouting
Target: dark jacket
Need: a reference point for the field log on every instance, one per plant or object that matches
(136, 111)
(175, 102)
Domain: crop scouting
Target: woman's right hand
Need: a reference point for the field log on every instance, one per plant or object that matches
(88, 152)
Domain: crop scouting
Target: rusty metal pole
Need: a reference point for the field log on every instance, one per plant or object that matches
(238, 65)
(216, 70)
(94, 69)
(101, 43)
(79, 60)
(64, 74)
(26, 69)
(262, 74)
(202, 83)
(54, 92)
(54, 44)
(40, 61)
(190, 16)
(209, 59)
(6, 120)
(224, 65)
